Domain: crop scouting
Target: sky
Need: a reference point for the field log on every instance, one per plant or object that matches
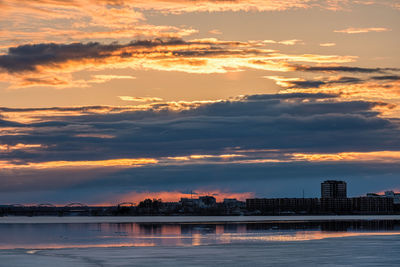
(110, 101)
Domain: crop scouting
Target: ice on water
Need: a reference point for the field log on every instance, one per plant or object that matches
(367, 242)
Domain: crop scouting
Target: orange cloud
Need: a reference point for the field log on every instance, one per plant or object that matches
(370, 90)
(127, 163)
(105, 78)
(215, 31)
(376, 156)
(224, 156)
(314, 58)
(99, 12)
(93, 19)
(327, 44)
(285, 42)
(201, 159)
(8, 148)
(46, 114)
(222, 159)
(56, 79)
(283, 81)
(140, 99)
(44, 21)
(362, 30)
(4, 131)
(61, 35)
(183, 6)
(126, 10)
(291, 42)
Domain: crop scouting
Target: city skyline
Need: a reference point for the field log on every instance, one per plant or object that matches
(114, 100)
(333, 192)
(333, 200)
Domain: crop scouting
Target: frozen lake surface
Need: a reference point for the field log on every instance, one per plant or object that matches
(200, 241)
(354, 251)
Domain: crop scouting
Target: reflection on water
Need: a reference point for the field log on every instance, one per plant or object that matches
(77, 235)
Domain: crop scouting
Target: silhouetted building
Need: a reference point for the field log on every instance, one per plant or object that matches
(171, 207)
(333, 189)
(207, 201)
(395, 196)
(233, 203)
(275, 206)
(372, 205)
(189, 202)
(330, 205)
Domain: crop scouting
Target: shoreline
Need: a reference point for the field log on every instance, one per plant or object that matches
(191, 219)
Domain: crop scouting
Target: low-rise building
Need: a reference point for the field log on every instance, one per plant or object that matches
(394, 196)
(284, 205)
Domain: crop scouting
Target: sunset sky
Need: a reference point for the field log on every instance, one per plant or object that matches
(105, 101)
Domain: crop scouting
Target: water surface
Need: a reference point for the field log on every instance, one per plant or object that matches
(157, 234)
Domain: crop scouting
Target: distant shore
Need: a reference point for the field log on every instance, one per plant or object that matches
(189, 219)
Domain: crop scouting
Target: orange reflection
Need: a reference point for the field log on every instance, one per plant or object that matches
(60, 246)
(301, 236)
(196, 239)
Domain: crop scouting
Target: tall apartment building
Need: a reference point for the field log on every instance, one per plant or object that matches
(333, 189)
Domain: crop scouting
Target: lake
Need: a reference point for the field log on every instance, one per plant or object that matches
(87, 241)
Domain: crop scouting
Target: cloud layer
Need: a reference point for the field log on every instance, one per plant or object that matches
(171, 132)
(53, 64)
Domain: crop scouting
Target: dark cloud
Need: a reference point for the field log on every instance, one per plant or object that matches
(306, 84)
(343, 69)
(318, 83)
(29, 57)
(295, 122)
(290, 96)
(342, 80)
(8, 123)
(386, 78)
